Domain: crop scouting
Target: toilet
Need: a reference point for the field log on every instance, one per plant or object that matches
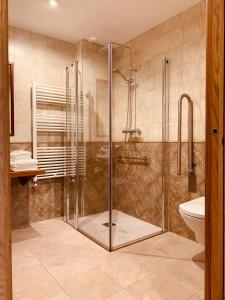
(193, 214)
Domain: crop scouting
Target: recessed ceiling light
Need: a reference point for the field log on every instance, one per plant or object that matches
(93, 38)
(53, 3)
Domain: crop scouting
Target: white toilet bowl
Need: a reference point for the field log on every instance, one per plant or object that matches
(193, 214)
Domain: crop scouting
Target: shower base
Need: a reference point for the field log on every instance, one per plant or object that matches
(127, 229)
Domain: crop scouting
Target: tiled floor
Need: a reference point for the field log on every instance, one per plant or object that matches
(126, 229)
(52, 261)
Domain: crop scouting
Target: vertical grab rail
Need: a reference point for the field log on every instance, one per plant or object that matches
(190, 134)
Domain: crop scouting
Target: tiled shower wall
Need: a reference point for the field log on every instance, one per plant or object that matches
(138, 188)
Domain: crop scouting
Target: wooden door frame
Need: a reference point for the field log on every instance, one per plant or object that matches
(214, 273)
(5, 214)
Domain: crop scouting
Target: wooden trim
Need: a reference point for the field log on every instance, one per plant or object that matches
(215, 152)
(11, 85)
(29, 173)
(5, 214)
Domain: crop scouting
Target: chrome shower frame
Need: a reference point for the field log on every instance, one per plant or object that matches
(165, 137)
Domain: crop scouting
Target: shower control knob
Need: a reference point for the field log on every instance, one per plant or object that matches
(139, 131)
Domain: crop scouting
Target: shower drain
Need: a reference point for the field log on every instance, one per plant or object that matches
(107, 224)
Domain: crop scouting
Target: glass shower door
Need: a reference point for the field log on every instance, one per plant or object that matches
(94, 198)
(137, 145)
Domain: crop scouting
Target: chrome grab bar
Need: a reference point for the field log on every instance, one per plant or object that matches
(138, 131)
(190, 134)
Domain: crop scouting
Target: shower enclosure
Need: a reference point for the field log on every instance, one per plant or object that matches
(114, 148)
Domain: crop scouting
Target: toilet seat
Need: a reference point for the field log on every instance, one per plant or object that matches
(194, 208)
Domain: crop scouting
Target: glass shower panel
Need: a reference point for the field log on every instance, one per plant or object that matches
(115, 145)
(137, 191)
(93, 219)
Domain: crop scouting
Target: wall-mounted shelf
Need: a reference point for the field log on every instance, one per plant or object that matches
(24, 176)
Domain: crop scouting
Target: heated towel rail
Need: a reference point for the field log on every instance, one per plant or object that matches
(50, 120)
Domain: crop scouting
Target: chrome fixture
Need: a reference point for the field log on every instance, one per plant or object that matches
(190, 134)
(142, 158)
(138, 131)
(165, 136)
(131, 105)
(134, 160)
(123, 76)
(165, 106)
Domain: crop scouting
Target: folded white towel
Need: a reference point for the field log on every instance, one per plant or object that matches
(26, 164)
(20, 155)
(24, 161)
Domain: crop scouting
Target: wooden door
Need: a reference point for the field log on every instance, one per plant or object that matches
(215, 152)
(5, 225)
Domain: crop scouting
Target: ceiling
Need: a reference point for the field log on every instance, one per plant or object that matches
(107, 20)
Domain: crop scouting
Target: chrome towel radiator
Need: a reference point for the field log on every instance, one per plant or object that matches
(190, 134)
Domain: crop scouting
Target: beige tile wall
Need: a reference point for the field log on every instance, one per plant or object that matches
(182, 40)
(95, 88)
(37, 59)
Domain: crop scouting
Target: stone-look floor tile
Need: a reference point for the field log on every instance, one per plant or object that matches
(20, 249)
(20, 262)
(198, 296)
(91, 285)
(24, 233)
(71, 238)
(175, 259)
(35, 283)
(123, 295)
(126, 269)
(60, 258)
(158, 268)
(167, 245)
(187, 274)
(159, 286)
(56, 230)
(22, 257)
(52, 224)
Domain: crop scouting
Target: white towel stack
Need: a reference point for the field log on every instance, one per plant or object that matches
(20, 160)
